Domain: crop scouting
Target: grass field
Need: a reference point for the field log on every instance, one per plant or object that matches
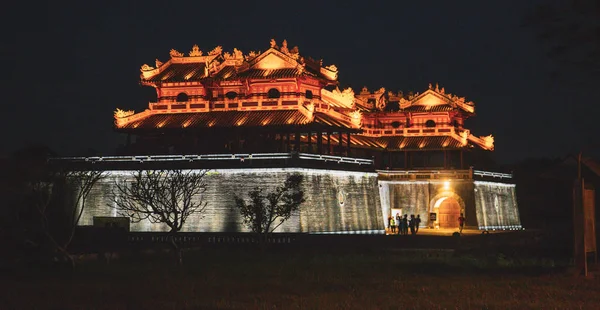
(294, 279)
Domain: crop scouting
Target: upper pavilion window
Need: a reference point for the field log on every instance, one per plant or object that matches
(231, 95)
(182, 97)
(273, 93)
(430, 123)
(309, 94)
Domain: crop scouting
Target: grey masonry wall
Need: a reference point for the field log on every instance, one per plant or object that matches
(336, 201)
(486, 205)
(496, 206)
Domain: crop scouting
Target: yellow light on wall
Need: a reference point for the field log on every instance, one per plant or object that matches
(446, 185)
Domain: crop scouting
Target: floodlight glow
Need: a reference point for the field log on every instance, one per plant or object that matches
(447, 185)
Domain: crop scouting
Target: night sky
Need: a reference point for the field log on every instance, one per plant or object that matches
(72, 64)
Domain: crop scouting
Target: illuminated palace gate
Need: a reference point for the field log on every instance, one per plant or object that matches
(337, 201)
(280, 102)
(487, 200)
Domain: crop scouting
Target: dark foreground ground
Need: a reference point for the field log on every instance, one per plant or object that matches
(303, 278)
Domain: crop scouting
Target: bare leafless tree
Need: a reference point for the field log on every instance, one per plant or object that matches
(267, 211)
(162, 196)
(44, 193)
(82, 182)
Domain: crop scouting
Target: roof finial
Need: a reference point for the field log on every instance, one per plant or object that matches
(195, 51)
(430, 86)
(273, 43)
(284, 48)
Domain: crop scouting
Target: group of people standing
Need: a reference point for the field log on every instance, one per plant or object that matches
(401, 224)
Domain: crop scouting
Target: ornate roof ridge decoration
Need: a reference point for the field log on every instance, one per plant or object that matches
(174, 53)
(146, 67)
(485, 142)
(195, 51)
(218, 50)
(122, 113)
(488, 141)
(294, 52)
(331, 72)
(343, 98)
(236, 55)
(356, 118)
(296, 63)
(251, 55)
(440, 93)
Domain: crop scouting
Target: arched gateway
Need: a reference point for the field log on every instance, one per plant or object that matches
(447, 207)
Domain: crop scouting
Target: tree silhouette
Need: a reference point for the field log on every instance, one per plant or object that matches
(162, 196)
(47, 217)
(265, 212)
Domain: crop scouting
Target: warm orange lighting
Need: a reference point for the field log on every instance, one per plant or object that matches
(121, 113)
(488, 141)
(273, 61)
(175, 53)
(464, 137)
(195, 51)
(333, 108)
(446, 185)
(356, 118)
(242, 121)
(446, 142)
(431, 100)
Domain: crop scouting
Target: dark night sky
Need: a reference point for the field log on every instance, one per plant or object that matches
(72, 64)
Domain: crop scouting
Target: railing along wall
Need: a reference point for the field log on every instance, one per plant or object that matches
(387, 175)
(416, 175)
(217, 157)
(412, 131)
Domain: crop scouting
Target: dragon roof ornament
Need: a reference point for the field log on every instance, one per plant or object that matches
(146, 67)
(122, 113)
(174, 53)
(218, 50)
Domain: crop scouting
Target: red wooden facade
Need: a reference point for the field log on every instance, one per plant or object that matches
(280, 101)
